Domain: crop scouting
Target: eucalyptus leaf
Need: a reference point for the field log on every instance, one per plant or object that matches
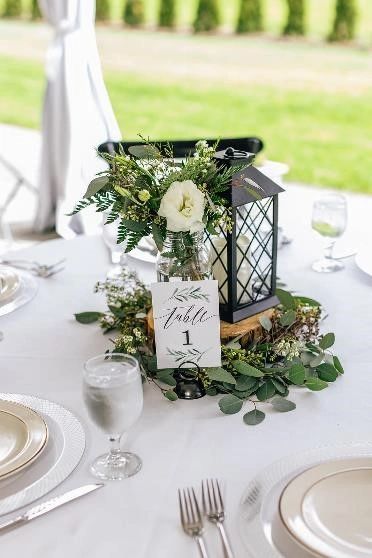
(166, 377)
(220, 375)
(296, 374)
(314, 348)
(211, 391)
(327, 341)
(246, 369)
(95, 186)
(245, 394)
(315, 384)
(327, 372)
(306, 357)
(317, 360)
(266, 323)
(282, 405)
(286, 299)
(254, 417)
(288, 318)
(337, 364)
(327, 357)
(144, 151)
(152, 364)
(88, 317)
(230, 404)
(265, 391)
(171, 395)
(245, 383)
(279, 386)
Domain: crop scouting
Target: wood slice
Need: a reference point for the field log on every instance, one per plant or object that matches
(250, 328)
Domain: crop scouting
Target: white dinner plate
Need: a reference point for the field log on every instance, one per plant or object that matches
(363, 259)
(10, 283)
(23, 435)
(328, 508)
(262, 530)
(62, 453)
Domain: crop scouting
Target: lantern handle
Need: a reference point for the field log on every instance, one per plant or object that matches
(231, 153)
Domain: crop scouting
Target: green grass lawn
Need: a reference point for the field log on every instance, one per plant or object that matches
(325, 138)
(319, 14)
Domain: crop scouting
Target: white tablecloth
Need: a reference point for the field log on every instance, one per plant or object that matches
(43, 353)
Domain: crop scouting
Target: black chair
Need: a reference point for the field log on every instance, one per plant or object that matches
(183, 148)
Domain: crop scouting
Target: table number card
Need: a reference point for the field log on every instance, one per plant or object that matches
(186, 323)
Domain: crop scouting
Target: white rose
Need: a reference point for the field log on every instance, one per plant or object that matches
(183, 207)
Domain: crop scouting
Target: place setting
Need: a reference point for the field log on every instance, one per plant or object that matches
(41, 443)
(18, 283)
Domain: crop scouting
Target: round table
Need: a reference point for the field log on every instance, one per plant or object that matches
(43, 352)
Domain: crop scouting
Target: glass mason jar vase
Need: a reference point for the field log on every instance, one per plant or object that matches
(184, 258)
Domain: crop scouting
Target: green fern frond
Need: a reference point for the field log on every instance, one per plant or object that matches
(82, 204)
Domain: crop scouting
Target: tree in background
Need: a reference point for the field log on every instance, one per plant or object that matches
(102, 10)
(167, 13)
(12, 8)
(250, 16)
(296, 18)
(207, 16)
(134, 12)
(35, 10)
(344, 22)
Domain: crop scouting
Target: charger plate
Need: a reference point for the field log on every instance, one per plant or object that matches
(23, 435)
(63, 451)
(328, 508)
(10, 283)
(260, 524)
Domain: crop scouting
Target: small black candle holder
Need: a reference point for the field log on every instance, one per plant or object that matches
(188, 384)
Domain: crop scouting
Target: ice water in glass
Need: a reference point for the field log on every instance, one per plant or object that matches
(114, 398)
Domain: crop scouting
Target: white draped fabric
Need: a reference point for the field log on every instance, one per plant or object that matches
(77, 115)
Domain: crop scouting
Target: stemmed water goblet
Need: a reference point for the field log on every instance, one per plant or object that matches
(329, 219)
(113, 394)
(117, 251)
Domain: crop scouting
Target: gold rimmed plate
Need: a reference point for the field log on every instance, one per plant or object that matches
(327, 508)
(23, 435)
(9, 283)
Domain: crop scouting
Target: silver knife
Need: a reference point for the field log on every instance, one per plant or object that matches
(50, 505)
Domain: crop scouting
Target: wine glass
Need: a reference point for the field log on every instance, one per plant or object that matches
(329, 220)
(113, 395)
(117, 251)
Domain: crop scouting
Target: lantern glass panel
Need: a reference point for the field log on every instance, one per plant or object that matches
(254, 234)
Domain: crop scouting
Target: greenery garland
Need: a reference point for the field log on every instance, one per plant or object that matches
(290, 350)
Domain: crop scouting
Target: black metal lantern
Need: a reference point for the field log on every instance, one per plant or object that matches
(244, 260)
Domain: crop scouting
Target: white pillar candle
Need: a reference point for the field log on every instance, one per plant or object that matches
(243, 266)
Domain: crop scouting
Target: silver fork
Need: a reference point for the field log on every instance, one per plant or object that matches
(191, 518)
(214, 509)
(41, 270)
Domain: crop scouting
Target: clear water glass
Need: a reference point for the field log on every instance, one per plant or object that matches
(113, 394)
(117, 251)
(329, 219)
